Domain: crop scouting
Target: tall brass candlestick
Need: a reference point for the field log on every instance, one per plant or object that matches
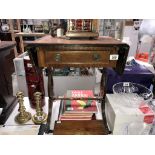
(40, 117)
(23, 116)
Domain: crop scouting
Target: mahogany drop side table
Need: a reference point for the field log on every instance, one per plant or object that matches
(58, 53)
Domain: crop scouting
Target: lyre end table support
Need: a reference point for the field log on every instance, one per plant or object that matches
(51, 95)
(58, 53)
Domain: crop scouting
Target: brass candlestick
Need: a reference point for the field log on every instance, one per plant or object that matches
(40, 117)
(23, 116)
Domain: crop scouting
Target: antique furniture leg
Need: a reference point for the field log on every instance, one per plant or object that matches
(50, 94)
(103, 85)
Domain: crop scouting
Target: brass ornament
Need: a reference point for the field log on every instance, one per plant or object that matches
(40, 117)
(23, 116)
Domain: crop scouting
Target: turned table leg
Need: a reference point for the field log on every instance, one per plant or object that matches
(103, 86)
(50, 94)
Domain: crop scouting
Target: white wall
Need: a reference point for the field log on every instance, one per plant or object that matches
(132, 34)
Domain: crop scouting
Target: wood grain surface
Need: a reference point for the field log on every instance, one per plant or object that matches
(82, 127)
(7, 44)
(48, 39)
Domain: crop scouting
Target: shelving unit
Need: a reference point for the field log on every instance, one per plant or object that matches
(113, 28)
(15, 34)
(8, 35)
(21, 34)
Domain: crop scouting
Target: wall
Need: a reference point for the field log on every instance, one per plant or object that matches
(132, 35)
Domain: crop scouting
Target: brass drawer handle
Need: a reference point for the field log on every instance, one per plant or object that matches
(57, 57)
(96, 57)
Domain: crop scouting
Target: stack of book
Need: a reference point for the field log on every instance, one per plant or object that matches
(78, 109)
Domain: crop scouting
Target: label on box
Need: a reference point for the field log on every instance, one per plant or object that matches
(149, 114)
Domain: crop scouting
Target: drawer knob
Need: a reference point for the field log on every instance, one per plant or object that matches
(96, 57)
(57, 57)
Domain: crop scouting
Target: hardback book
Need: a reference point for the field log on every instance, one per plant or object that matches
(80, 105)
(72, 115)
(78, 109)
(76, 117)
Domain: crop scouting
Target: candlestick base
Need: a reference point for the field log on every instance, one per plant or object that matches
(39, 119)
(23, 119)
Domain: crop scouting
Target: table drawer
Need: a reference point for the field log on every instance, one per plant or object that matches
(78, 58)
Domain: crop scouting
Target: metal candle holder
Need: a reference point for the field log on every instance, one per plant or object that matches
(40, 117)
(23, 116)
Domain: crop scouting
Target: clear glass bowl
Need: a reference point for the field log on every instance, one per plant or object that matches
(128, 87)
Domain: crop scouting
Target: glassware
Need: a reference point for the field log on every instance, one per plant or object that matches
(128, 87)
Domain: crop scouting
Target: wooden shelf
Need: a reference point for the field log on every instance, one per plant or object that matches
(6, 44)
(30, 34)
(13, 35)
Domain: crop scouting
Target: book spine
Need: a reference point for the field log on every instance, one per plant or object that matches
(90, 109)
(80, 93)
(76, 119)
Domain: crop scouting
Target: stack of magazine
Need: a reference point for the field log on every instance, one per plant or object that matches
(78, 109)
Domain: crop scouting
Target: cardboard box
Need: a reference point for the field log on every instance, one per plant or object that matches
(123, 118)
